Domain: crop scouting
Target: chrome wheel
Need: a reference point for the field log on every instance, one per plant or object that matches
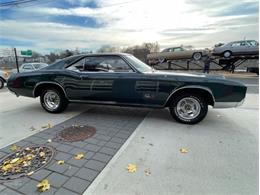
(197, 56)
(188, 108)
(227, 54)
(51, 100)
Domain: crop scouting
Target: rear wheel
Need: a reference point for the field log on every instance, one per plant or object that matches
(227, 54)
(2, 83)
(53, 101)
(189, 108)
(197, 56)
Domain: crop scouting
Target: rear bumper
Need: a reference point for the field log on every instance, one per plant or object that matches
(228, 104)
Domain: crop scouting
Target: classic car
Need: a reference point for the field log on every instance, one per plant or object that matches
(175, 53)
(121, 79)
(236, 48)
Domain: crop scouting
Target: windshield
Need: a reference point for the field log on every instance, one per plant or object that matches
(138, 64)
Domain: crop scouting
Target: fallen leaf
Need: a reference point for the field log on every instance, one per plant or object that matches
(14, 160)
(42, 154)
(43, 185)
(147, 172)
(47, 126)
(131, 168)
(13, 148)
(30, 173)
(60, 162)
(7, 167)
(79, 156)
(184, 150)
(32, 128)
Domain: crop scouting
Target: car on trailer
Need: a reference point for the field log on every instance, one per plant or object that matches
(176, 53)
(237, 48)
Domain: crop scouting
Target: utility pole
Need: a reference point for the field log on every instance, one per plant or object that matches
(16, 60)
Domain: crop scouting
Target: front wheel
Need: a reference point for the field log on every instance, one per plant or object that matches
(189, 108)
(53, 101)
(227, 54)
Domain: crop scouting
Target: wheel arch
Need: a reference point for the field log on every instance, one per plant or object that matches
(3, 79)
(47, 84)
(206, 92)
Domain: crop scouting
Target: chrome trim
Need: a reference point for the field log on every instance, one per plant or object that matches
(190, 87)
(49, 82)
(115, 103)
(228, 104)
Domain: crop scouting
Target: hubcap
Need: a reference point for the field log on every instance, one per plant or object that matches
(227, 54)
(188, 108)
(51, 100)
(197, 56)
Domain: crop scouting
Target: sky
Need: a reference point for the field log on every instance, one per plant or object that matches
(52, 25)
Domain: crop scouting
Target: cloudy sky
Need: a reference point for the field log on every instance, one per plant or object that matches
(49, 25)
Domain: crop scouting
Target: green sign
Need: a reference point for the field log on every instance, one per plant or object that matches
(26, 53)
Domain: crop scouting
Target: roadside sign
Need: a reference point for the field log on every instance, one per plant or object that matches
(26, 53)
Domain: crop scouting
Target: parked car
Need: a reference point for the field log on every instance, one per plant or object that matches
(123, 80)
(176, 53)
(3, 77)
(237, 48)
(28, 67)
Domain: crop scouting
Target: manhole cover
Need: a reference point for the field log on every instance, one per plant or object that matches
(76, 133)
(25, 162)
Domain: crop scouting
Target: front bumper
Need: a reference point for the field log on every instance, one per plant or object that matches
(228, 104)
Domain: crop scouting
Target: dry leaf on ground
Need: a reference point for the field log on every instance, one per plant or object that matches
(47, 126)
(43, 185)
(32, 128)
(131, 168)
(60, 162)
(14, 148)
(30, 173)
(79, 156)
(184, 150)
(147, 172)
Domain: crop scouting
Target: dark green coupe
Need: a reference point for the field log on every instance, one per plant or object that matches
(122, 79)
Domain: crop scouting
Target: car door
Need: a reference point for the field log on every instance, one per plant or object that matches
(104, 78)
(239, 48)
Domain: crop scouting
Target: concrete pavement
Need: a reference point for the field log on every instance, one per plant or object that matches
(222, 156)
(19, 115)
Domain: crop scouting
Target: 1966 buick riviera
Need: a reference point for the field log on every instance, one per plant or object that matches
(121, 79)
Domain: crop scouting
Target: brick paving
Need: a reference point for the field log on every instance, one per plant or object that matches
(113, 124)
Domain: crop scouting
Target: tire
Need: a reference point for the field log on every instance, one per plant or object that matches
(227, 54)
(197, 56)
(199, 104)
(53, 101)
(2, 83)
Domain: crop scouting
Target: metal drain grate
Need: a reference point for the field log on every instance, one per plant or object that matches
(76, 133)
(25, 162)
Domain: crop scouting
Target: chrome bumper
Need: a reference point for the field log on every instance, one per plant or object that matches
(228, 104)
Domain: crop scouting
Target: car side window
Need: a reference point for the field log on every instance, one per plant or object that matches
(101, 64)
(236, 44)
(27, 67)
